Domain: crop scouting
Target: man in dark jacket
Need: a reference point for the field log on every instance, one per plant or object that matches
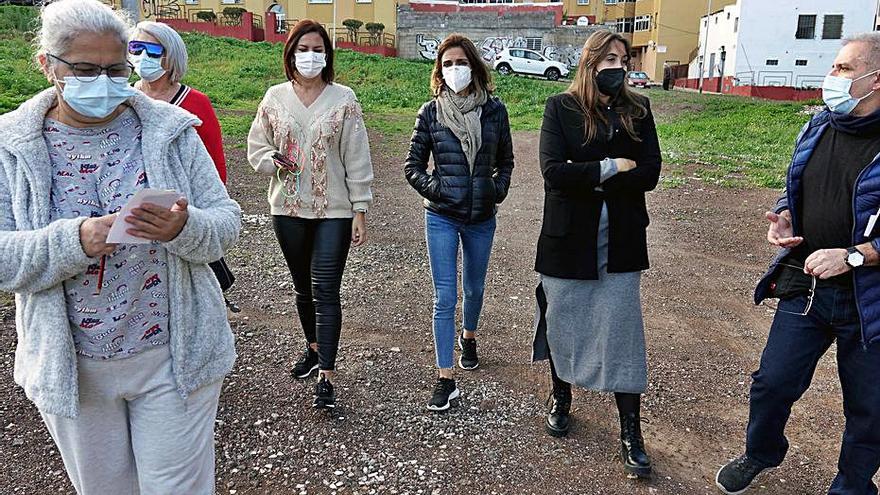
(826, 278)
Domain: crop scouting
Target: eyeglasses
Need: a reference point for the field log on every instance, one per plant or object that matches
(810, 295)
(86, 72)
(154, 50)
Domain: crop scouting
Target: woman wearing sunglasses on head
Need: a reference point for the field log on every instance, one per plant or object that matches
(122, 346)
(467, 131)
(599, 155)
(160, 60)
(309, 138)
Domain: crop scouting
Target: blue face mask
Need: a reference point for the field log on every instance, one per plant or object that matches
(148, 68)
(96, 99)
(836, 93)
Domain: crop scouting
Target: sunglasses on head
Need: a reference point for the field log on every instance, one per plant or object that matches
(154, 50)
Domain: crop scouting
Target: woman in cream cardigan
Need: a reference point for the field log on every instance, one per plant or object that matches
(309, 138)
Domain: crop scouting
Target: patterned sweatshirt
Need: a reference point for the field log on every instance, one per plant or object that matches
(329, 143)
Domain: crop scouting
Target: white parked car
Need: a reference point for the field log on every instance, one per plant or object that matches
(522, 61)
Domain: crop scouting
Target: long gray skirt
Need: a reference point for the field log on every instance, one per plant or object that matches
(593, 328)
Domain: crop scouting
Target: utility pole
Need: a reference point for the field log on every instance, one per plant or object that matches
(334, 24)
(705, 43)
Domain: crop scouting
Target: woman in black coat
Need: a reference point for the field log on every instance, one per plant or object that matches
(467, 131)
(599, 155)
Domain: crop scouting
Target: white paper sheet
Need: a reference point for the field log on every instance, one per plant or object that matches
(158, 197)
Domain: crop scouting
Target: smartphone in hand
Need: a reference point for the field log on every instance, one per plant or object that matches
(284, 162)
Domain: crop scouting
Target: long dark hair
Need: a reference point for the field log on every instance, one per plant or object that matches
(479, 72)
(299, 30)
(586, 92)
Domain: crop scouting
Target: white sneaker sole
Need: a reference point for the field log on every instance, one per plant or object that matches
(453, 396)
(306, 375)
(461, 348)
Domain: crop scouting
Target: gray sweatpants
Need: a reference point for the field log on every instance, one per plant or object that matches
(135, 434)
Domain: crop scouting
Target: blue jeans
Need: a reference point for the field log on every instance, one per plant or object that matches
(443, 235)
(794, 347)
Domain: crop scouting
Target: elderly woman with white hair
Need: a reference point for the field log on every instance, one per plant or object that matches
(160, 60)
(159, 57)
(122, 347)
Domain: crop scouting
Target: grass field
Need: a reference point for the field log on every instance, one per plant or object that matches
(727, 140)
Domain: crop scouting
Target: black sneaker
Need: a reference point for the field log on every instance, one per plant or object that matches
(738, 474)
(444, 393)
(307, 364)
(325, 396)
(468, 359)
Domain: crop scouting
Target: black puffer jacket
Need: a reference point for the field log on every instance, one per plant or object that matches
(452, 189)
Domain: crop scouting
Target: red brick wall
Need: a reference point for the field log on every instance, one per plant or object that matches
(247, 30)
(781, 93)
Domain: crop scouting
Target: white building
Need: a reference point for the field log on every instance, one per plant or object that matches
(780, 42)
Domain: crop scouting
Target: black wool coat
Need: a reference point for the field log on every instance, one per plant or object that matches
(567, 245)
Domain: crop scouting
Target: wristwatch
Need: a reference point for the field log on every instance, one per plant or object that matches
(854, 258)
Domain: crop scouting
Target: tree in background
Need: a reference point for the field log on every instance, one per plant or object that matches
(353, 26)
(376, 29)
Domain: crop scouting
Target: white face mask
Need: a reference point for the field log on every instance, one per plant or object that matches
(310, 64)
(836, 93)
(96, 99)
(457, 77)
(148, 68)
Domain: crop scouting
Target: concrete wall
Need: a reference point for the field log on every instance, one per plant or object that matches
(420, 33)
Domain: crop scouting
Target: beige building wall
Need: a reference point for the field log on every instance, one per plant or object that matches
(384, 11)
(673, 34)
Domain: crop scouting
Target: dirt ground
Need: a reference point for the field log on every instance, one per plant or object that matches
(704, 339)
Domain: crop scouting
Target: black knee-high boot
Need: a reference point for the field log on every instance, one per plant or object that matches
(632, 446)
(558, 420)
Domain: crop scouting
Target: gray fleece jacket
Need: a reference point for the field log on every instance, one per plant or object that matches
(36, 256)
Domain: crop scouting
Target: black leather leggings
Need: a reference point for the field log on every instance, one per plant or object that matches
(316, 251)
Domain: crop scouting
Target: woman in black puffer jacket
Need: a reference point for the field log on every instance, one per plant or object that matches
(467, 131)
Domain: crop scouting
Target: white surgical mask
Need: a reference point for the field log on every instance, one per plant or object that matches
(148, 68)
(310, 64)
(96, 99)
(457, 77)
(836, 93)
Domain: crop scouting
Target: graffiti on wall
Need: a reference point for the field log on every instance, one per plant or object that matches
(427, 46)
(491, 46)
(494, 45)
(569, 55)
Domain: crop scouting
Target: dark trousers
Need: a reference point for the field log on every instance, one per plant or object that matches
(794, 347)
(316, 251)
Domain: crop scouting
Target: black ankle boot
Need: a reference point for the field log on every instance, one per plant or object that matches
(558, 419)
(632, 446)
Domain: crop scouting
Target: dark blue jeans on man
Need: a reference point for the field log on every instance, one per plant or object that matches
(794, 347)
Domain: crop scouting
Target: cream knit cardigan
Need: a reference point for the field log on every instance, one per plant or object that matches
(328, 139)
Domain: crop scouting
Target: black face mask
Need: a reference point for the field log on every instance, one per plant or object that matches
(610, 81)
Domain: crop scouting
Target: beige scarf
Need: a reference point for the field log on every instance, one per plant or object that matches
(461, 114)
